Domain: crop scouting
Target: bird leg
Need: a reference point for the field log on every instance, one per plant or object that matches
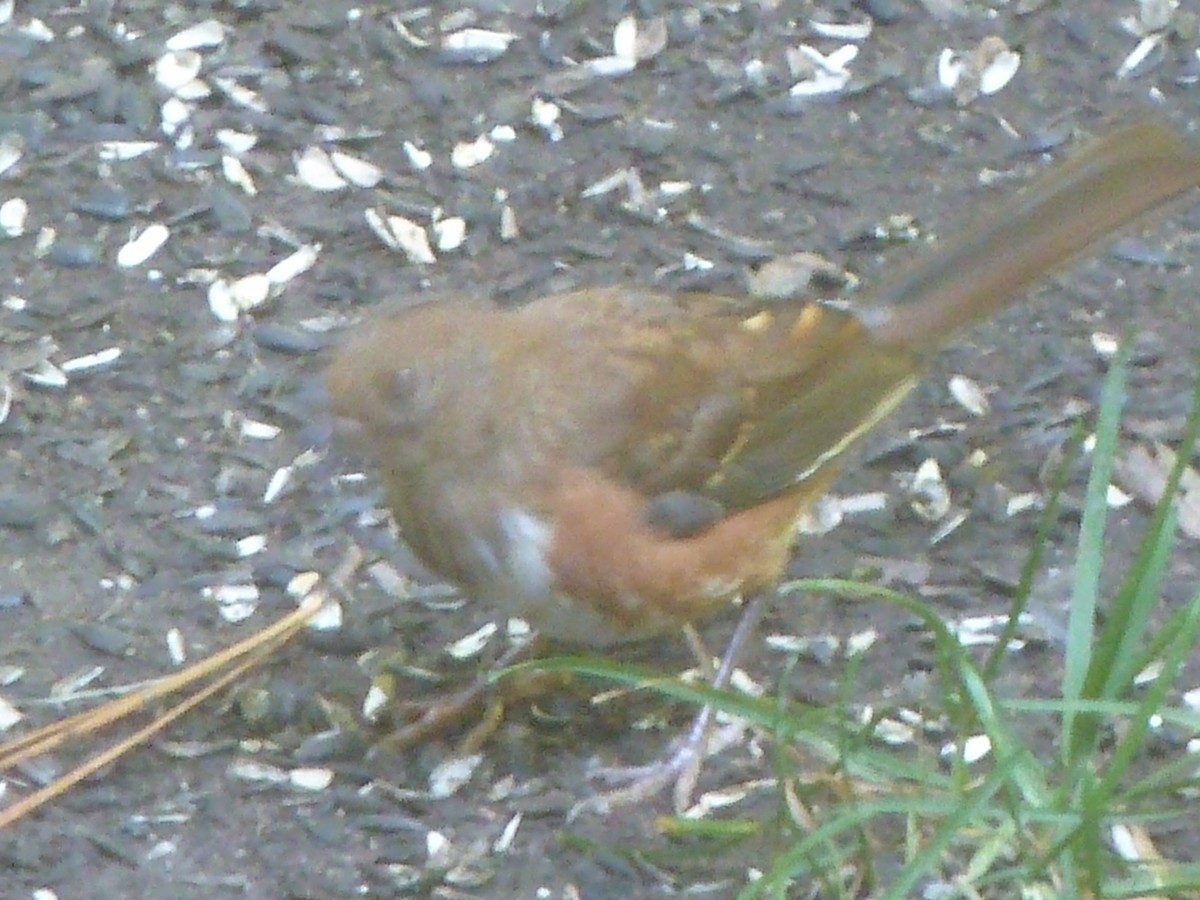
(681, 765)
(484, 701)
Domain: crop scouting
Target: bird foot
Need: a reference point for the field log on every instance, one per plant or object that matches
(475, 712)
(679, 769)
(444, 715)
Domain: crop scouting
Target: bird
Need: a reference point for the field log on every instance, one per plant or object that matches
(612, 464)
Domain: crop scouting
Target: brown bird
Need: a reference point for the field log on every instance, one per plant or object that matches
(614, 463)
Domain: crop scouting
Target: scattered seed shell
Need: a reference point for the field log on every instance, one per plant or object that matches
(310, 778)
(635, 41)
(1105, 345)
(450, 233)
(97, 360)
(895, 733)
(251, 545)
(948, 526)
(240, 95)
(509, 229)
(1150, 673)
(950, 67)
(475, 45)
(975, 748)
(72, 684)
(9, 715)
(237, 601)
(624, 41)
(839, 31)
(448, 777)
(650, 39)
(714, 801)
(822, 648)
(294, 264)
(357, 171)
(418, 158)
(237, 142)
(221, 302)
(822, 73)
(614, 182)
(502, 134)
(1117, 498)
(472, 645)
(174, 114)
(209, 33)
(12, 148)
(45, 374)
(609, 66)
(235, 613)
(508, 834)
(176, 68)
(176, 649)
(235, 173)
(315, 169)
(259, 431)
(437, 846)
(741, 681)
(228, 300)
(302, 584)
(545, 115)
(518, 631)
(469, 154)
(279, 481)
(997, 65)
(375, 702)
(983, 630)
(329, 617)
(984, 71)
(867, 502)
(115, 151)
(1020, 503)
(821, 517)
(404, 235)
(143, 245)
(1139, 55)
(162, 849)
(969, 394)
(862, 641)
(1134, 844)
(13, 215)
(193, 92)
(928, 495)
(253, 770)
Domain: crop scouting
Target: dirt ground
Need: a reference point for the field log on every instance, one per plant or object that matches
(127, 482)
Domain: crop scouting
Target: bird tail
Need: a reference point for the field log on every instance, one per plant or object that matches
(1108, 184)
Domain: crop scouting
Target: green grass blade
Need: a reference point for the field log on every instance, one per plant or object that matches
(1082, 618)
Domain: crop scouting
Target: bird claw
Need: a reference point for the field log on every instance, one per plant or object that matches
(436, 717)
(680, 768)
(483, 701)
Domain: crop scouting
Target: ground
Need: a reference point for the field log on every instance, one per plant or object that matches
(125, 485)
